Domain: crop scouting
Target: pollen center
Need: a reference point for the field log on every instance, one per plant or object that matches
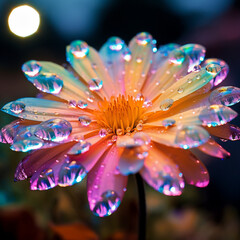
(121, 115)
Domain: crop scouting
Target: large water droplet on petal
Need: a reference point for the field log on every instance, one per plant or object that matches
(84, 120)
(108, 204)
(17, 107)
(191, 136)
(95, 84)
(115, 43)
(177, 56)
(79, 49)
(223, 73)
(49, 83)
(166, 49)
(226, 96)
(43, 181)
(216, 115)
(166, 104)
(235, 133)
(71, 173)
(143, 38)
(196, 54)
(55, 130)
(213, 68)
(28, 144)
(168, 122)
(80, 147)
(31, 68)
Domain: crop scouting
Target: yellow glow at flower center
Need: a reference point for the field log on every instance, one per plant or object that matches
(121, 115)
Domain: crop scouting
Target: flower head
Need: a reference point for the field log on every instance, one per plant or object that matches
(124, 110)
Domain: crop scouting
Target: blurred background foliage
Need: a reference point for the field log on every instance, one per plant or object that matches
(212, 213)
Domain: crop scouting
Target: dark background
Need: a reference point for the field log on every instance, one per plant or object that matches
(210, 213)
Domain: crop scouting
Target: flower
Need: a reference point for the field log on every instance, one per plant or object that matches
(124, 110)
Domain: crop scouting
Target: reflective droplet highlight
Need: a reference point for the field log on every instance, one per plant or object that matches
(143, 38)
(95, 84)
(166, 104)
(216, 115)
(103, 132)
(213, 68)
(81, 104)
(49, 83)
(177, 56)
(17, 107)
(31, 68)
(191, 136)
(168, 122)
(84, 120)
(71, 173)
(79, 49)
(55, 130)
(108, 204)
(226, 96)
(80, 147)
(115, 43)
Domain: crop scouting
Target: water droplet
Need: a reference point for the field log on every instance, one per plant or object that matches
(119, 132)
(107, 205)
(177, 56)
(95, 84)
(103, 132)
(139, 127)
(168, 122)
(84, 120)
(31, 68)
(226, 96)
(213, 68)
(216, 115)
(138, 60)
(191, 136)
(71, 173)
(143, 38)
(72, 103)
(197, 68)
(17, 107)
(235, 133)
(114, 138)
(141, 138)
(81, 104)
(43, 181)
(180, 90)
(49, 83)
(115, 43)
(79, 49)
(166, 49)
(223, 73)
(166, 104)
(28, 144)
(127, 56)
(55, 130)
(80, 147)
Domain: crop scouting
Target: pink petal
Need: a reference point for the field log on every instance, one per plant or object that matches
(106, 186)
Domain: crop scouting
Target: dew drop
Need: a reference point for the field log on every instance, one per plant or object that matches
(84, 120)
(95, 84)
(226, 96)
(79, 148)
(180, 90)
(115, 43)
(55, 130)
(143, 38)
(197, 68)
(72, 103)
(139, 127)
(103, 132)
(168, 122)
(79, 49)
(81, 104)
(177, 57)
(17, 107)
(213, 68)
(166, 104)
(127, 56)
(119, 132)
(138, 60)
(31, 68)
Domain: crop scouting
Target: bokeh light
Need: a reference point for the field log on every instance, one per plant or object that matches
(24, 20)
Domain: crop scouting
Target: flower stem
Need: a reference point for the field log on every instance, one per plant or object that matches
(142, 208)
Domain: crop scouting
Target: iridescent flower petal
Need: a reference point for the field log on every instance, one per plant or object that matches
(226, 96)
(105, 185)
(223, 73)
(214, 149)
(41, 110)
(216, 115)
(162, 174)
(191, 136)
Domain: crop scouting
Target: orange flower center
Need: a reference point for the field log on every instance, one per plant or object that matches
(121, 115)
